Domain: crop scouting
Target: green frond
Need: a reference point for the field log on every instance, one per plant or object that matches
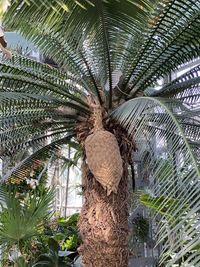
(171, 39)
(25, 138)
(19, 65)
(90, 42)
(21, 222)
(34, 107)
(27, 120)
(187, 81)
(18, 83)
(167, 129)
(44, 152)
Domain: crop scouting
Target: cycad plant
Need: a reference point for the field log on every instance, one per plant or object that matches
(107, 52)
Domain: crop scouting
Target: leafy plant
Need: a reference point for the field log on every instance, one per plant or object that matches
(115, 52)
(59, 243)
(22, 220)
(69, 230)
(55, 257)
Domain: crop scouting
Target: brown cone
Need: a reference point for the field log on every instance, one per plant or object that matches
(104, 159)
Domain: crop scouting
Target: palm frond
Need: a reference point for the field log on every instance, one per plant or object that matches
(92, 40)
(27, 120)
(188, 80)
(34, 107)
(42, 151)
(167, 128)
(171, 39)
(107, 36)
(19, 65)
(21, 222)
(184, 88)
(19, 83)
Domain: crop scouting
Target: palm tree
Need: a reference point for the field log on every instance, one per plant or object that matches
(110, 56)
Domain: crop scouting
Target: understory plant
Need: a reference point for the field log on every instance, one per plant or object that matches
(29, 231)
(22, 220)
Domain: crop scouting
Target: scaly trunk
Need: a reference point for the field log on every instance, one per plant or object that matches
(104, 223)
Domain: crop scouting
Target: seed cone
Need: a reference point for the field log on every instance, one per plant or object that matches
(104, 159)
(102, 152)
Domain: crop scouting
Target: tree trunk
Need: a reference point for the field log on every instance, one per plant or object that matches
(104, 223)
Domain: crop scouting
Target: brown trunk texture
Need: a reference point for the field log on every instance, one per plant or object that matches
(104, 223)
